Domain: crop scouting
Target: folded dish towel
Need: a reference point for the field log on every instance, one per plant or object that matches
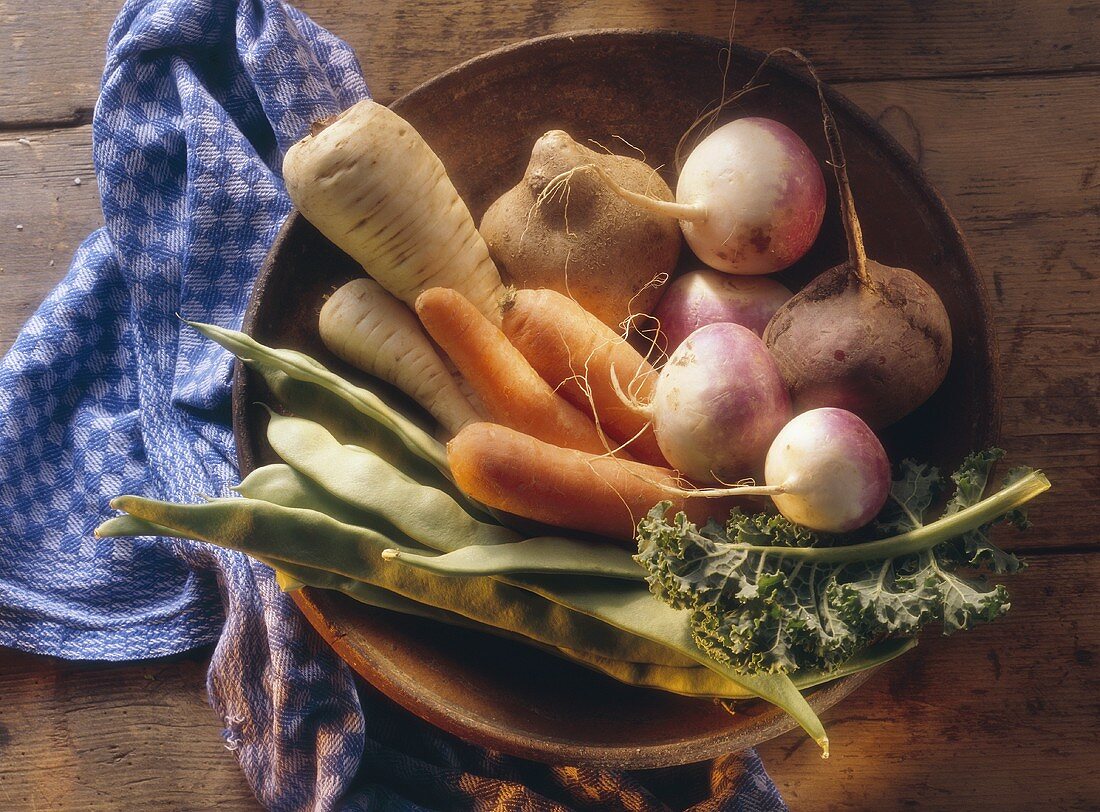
(103, 394)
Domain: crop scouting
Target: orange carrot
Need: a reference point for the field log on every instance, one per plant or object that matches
(510, 390)
(568, 345)
(516, 473)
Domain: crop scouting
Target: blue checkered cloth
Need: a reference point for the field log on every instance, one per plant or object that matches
(103, 394)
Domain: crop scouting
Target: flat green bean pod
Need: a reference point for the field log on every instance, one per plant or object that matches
(548, 555)
(301, 367)
(364, 480)
(631, 607)
(689, 680)
(282, 485)
(350, 426)
(309, 538)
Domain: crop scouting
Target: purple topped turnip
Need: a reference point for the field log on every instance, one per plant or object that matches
(831, 470)
(706, 297)
(752, 197)
(717, 404)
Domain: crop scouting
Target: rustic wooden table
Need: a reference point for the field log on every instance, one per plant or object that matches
(999, 103)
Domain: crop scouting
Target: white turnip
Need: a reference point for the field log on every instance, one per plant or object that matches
(831, 471)
(717, 404)
(750, 198)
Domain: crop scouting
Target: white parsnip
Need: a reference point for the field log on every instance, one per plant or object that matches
(374, 187)
(367, 327)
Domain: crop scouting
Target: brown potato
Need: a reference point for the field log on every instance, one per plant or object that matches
(578, 237)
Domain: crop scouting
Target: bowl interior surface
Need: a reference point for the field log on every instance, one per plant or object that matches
(617, 88)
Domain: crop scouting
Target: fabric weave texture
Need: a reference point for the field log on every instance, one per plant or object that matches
(105, 392)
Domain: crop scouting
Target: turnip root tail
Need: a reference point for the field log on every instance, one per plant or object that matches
(708, 118)
(733, 490)
(856, 252)
(678, 211)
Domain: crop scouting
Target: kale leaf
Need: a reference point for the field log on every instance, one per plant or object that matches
(769, 596)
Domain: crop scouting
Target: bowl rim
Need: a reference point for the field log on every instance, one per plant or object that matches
(764, 726)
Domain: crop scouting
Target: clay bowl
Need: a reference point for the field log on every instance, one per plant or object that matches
(647, 88)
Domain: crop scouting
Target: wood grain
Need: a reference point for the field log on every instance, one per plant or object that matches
(111, 737)
(998, 101)
(1004, 720)
(55, 51)
(44, 215)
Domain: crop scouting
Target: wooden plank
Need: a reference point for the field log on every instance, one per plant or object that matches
(1017, 161)
(55, 52)
(112, 737)
(44, 215)
(1003, 717)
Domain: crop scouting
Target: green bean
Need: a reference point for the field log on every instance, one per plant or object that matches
(308, 538)
(688, 680)
(551, 555)
(301, 367)
(367, 482)
(283, 485)
(631, 608)
(313, 402)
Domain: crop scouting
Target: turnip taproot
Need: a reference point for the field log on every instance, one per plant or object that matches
(702, 297)
(367, 327)
(862, 336)
(372, 186)
(717, 404)
(565, 230)
(750, 198)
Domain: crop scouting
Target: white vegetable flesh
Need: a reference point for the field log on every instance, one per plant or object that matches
(368, 328)
(374, 187)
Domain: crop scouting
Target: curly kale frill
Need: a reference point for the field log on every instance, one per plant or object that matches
(769, 596)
